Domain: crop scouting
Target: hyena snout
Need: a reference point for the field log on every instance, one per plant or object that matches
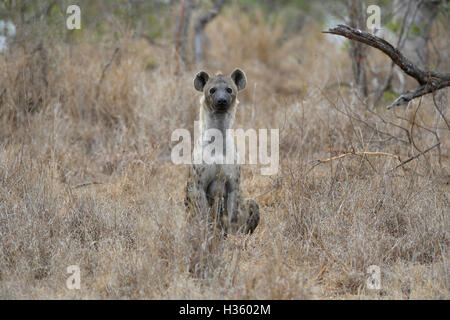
(221, 100)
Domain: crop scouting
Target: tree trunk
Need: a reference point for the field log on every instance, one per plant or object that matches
(357, 50)
(181, 30)
(200, 24)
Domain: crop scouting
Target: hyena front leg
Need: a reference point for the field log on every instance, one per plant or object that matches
(252, 208)
(196, 200)
(232, 209)
(243, 214)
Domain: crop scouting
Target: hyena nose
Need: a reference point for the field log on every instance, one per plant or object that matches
(222, 101)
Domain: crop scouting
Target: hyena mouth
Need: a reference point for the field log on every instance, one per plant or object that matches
(221, 109)
(221, 106)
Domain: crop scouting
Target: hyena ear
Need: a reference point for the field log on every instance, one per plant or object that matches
(239, 78)
(200, 80)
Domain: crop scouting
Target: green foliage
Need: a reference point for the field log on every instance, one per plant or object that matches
(149, 63)
(394, 26)
(414, 30)
(100, 29)
(345, 46)
(76, 35)
(389, 95)
(252, 4)
(274, 6)
(291, 14)
(303, 89)
(47, 18)
(155, 26)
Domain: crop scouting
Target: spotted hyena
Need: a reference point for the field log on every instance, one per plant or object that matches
(214, 190)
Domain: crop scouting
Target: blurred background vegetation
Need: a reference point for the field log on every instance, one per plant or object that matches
(420, 29)
(156, 20)
(153, 18)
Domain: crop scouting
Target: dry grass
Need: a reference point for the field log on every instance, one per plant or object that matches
(86, 177)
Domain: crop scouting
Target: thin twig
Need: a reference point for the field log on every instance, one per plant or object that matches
(1, 96)
(440, 112)
(414, 157)
(86, 184)
(360, 153)
(106, 66)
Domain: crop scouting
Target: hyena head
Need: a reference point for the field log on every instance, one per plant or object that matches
(220, 91)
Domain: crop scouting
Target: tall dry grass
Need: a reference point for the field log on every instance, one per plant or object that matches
(86, 177)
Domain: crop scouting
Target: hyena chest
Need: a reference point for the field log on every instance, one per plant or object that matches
(219, 165)
(218, 180)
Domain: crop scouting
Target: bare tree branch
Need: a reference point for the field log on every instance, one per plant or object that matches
(420, 91)
(429, 81)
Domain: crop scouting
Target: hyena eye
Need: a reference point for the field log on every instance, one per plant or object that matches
(229, 90)
(212, 90)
